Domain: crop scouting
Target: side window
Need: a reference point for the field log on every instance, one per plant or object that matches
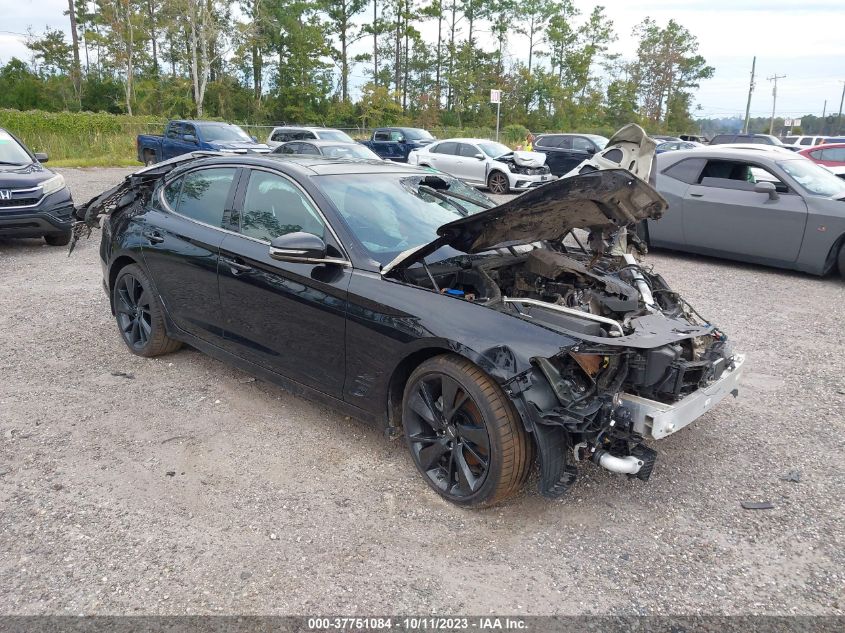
(446, 148)
(274, 206)
(581, 144)
(189, 129)
(204, 194)
(807, 140)
(686, 170)
(174, 130)
(396, 136)
(279, 136)
(467, 151)
(171, 192)
(382, 135)
(290, 148)
(721, 138)
(307, 148)
(834, 154)
(790, 140)
(727, 174)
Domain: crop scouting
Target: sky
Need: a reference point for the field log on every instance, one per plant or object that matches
(789, 37)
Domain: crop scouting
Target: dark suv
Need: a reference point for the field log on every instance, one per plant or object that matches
(564, 152)
(34, 202)
(760, 139)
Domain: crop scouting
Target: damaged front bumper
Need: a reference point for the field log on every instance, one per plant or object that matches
(656, 420)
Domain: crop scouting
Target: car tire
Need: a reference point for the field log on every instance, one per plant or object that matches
(140, 315)
(498, 183)
(62, 239)
(149, 157)
(841, 261)
(475, 454)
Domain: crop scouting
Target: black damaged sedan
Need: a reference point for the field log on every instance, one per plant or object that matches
(34, 202)
(489, 336)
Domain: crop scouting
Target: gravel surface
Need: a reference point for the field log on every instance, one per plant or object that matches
(181, 485)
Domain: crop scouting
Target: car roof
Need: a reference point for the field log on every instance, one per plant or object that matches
(727, 153)
(310, 165)
(302, 127)
(320, 142)
(466, 140)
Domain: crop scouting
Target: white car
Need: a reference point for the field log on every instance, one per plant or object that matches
(285, 133)
(804, 141)
(485, 163)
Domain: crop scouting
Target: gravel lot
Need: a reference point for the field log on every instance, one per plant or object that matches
(281, 506)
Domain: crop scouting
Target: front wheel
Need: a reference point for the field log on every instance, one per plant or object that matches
(841, 261)
(140, 315)
(149, 158)
(498, 183)
(463, 434)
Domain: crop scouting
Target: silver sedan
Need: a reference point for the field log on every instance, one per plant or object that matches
(764, 207)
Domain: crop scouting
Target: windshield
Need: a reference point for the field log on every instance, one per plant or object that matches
(334, 135)
(223, 132)
(600, 141)
(389, 215)
(816, 180)
(494, 149)
(11, 152)
(353, 150)
(416, 134)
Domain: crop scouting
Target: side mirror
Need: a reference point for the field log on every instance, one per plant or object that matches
(297, 247)
(41, 157)
(480, 156)
(189, 138)
(768, 188)
(254, 140)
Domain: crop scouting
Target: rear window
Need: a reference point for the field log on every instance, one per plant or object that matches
(686, 170)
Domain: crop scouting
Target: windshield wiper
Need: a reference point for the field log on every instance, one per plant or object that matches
(5, 162)
(444, 197)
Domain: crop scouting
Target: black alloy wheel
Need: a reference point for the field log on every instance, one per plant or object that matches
(463, 435)
(132, 308)
(140, 315)
(498, 183)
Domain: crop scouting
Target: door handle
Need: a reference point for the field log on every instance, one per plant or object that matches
(697, 195)
(154, 237)
(237, 268)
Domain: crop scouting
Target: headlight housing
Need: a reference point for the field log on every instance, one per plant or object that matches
(52, 185)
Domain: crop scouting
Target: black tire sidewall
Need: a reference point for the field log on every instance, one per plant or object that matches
(157, 336)
(442, 365)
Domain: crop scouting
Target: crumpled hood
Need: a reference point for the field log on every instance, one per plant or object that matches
(596, 200)
(525, 159)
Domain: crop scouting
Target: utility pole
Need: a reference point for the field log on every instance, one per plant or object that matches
(750, 90)
(839, 118)
(824, 114)
(774, 78)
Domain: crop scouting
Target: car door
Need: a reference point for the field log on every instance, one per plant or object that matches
(468, 166)
(557, 149)
(171, 145)
(442, 156)
(723, 213)
(181, 236)
(288, 317)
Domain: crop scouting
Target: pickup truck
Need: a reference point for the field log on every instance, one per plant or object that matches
(181, 137)
(395, 143)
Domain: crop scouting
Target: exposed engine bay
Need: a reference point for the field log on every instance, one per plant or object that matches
(636, 361)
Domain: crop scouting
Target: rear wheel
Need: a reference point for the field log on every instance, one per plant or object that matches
(149, 157)
(62, 239)
(140, 315)
(463, 434)
(498, 183)
(841, 260)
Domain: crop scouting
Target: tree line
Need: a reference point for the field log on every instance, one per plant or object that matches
(299, 60)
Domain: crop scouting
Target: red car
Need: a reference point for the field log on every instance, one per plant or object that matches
(829, 154)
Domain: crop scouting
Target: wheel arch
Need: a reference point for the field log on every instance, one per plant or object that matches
(399, 378)
(120, 262)
(831, 261)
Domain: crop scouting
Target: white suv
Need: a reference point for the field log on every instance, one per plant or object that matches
(804, 141)
(286, 133)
